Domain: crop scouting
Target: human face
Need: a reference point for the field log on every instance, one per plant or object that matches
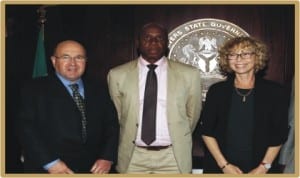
(69, 60)
(152, 43)
(242, 60)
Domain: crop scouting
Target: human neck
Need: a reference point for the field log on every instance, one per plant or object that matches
(244, 81)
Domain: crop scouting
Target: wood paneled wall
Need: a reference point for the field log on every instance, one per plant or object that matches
(109, 31)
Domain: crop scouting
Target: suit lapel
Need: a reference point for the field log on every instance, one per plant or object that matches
(61, 93)
(59, 90)
(132, 79)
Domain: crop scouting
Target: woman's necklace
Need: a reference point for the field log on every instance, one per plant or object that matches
(243, 95)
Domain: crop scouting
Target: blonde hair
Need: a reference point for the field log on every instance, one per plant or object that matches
(260, 51)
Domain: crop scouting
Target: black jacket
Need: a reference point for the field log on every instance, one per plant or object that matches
(50, 125)
(270, 118)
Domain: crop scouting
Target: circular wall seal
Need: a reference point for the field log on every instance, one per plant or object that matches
(196, 43)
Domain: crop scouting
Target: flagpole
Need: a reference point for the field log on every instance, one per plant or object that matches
(42, 18)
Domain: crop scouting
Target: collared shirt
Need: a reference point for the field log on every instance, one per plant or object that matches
(67, 84)
(162, 131)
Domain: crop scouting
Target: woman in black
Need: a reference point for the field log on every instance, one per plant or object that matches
(244, 120)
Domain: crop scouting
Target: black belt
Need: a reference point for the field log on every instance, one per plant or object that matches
(154, 148)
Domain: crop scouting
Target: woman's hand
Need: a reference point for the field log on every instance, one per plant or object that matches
(259, 170)
(232, 169)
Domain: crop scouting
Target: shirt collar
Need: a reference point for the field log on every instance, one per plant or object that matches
(66, 83)
(144, 63)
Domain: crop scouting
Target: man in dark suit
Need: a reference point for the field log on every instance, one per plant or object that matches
(63, 130)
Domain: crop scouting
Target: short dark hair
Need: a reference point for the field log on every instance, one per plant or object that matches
(154, 24)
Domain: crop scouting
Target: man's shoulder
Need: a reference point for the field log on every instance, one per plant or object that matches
(95, 83)
(38, 86)
(126, 66)
(38, 82)
(96, 88)
(181, 66)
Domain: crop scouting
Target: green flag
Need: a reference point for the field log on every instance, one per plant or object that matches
(40, 65)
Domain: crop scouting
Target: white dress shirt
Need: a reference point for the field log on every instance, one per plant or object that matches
(162, 131)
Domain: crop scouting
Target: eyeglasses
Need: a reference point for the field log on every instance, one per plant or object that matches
(243, 55)
(68, 58)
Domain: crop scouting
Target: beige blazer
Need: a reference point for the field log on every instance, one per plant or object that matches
(183, 109)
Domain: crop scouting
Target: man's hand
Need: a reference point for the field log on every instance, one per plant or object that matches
(60, 168)
(101, 167)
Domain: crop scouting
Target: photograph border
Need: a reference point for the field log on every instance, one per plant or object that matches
(155, 2)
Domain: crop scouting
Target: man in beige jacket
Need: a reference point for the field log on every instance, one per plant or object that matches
(177, 110)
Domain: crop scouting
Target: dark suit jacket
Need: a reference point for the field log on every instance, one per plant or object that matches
(50, 125)
(270, 118)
